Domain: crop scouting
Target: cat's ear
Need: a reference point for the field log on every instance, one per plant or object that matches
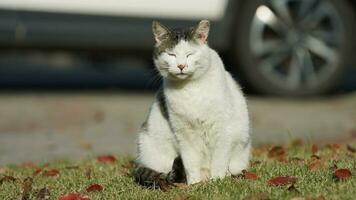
(160, 31)
(201, 31)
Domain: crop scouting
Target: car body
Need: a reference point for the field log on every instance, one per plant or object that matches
(103, 30)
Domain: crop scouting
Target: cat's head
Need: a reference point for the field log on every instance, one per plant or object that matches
(181, 54)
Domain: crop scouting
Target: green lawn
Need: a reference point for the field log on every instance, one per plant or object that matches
(315, 179)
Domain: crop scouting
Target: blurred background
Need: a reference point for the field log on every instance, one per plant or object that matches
(77, 78)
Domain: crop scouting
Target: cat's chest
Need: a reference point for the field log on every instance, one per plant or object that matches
(197, 110)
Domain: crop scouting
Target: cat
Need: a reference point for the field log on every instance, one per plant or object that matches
(198, 126)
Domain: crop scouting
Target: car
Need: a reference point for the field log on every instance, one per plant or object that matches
(276, 47)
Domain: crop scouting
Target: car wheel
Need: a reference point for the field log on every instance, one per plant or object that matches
(293, 47)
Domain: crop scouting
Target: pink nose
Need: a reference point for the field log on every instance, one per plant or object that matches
(181, 67)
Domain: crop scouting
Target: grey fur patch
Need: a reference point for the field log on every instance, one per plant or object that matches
(174, 36)
(161, 98)
(152, 179)
(144, 126)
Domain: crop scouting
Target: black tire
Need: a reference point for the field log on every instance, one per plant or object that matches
(248, 63)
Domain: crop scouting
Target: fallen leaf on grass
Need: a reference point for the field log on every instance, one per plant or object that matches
(7, 179)
(314, 149)
(26, 188)
(106, 159)
(282, 180)
(342, 174)
(180, 197)
(278, 153)
(73, 196)
(258, 196)
(51, 173)
(43, 194)
(37, 171)
(315, 163)
(94, 188)
(249, 175)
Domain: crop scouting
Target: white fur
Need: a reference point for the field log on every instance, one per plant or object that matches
(208, 119)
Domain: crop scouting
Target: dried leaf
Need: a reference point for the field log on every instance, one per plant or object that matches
(73, 196)
(43, 194)
(282, 180)
(278, 153)
(94, 188)
(249, 175)
(258, 196)
(315, 163)
(37, 171)
(314, 149)
(51, 173)
(342, 174)
(106, 159)
(26, 188)
(7, 179)
(180, 197)
(351, 149)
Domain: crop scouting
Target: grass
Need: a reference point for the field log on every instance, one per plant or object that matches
(293, 160)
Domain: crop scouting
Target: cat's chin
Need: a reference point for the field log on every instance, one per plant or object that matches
(177, 77)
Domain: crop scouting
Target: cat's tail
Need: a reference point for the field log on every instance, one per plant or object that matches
(152, 179)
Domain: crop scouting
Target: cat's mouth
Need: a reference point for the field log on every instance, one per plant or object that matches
(181, 75)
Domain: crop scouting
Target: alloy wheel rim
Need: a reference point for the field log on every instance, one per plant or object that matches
(296, 42)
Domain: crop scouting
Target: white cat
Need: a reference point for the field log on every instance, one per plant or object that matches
(199, 116)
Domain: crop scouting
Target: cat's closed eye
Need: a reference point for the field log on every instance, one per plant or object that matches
(172, 54)
(189, 54)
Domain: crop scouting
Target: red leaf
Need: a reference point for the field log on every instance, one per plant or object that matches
(277, 152)
(73, 196)
(106, 159)
(342, 174)
(94, 188)
(282, 180)
(249, 175)
(314, 149)
(52, 172)
(38, 170)
(315, 163)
